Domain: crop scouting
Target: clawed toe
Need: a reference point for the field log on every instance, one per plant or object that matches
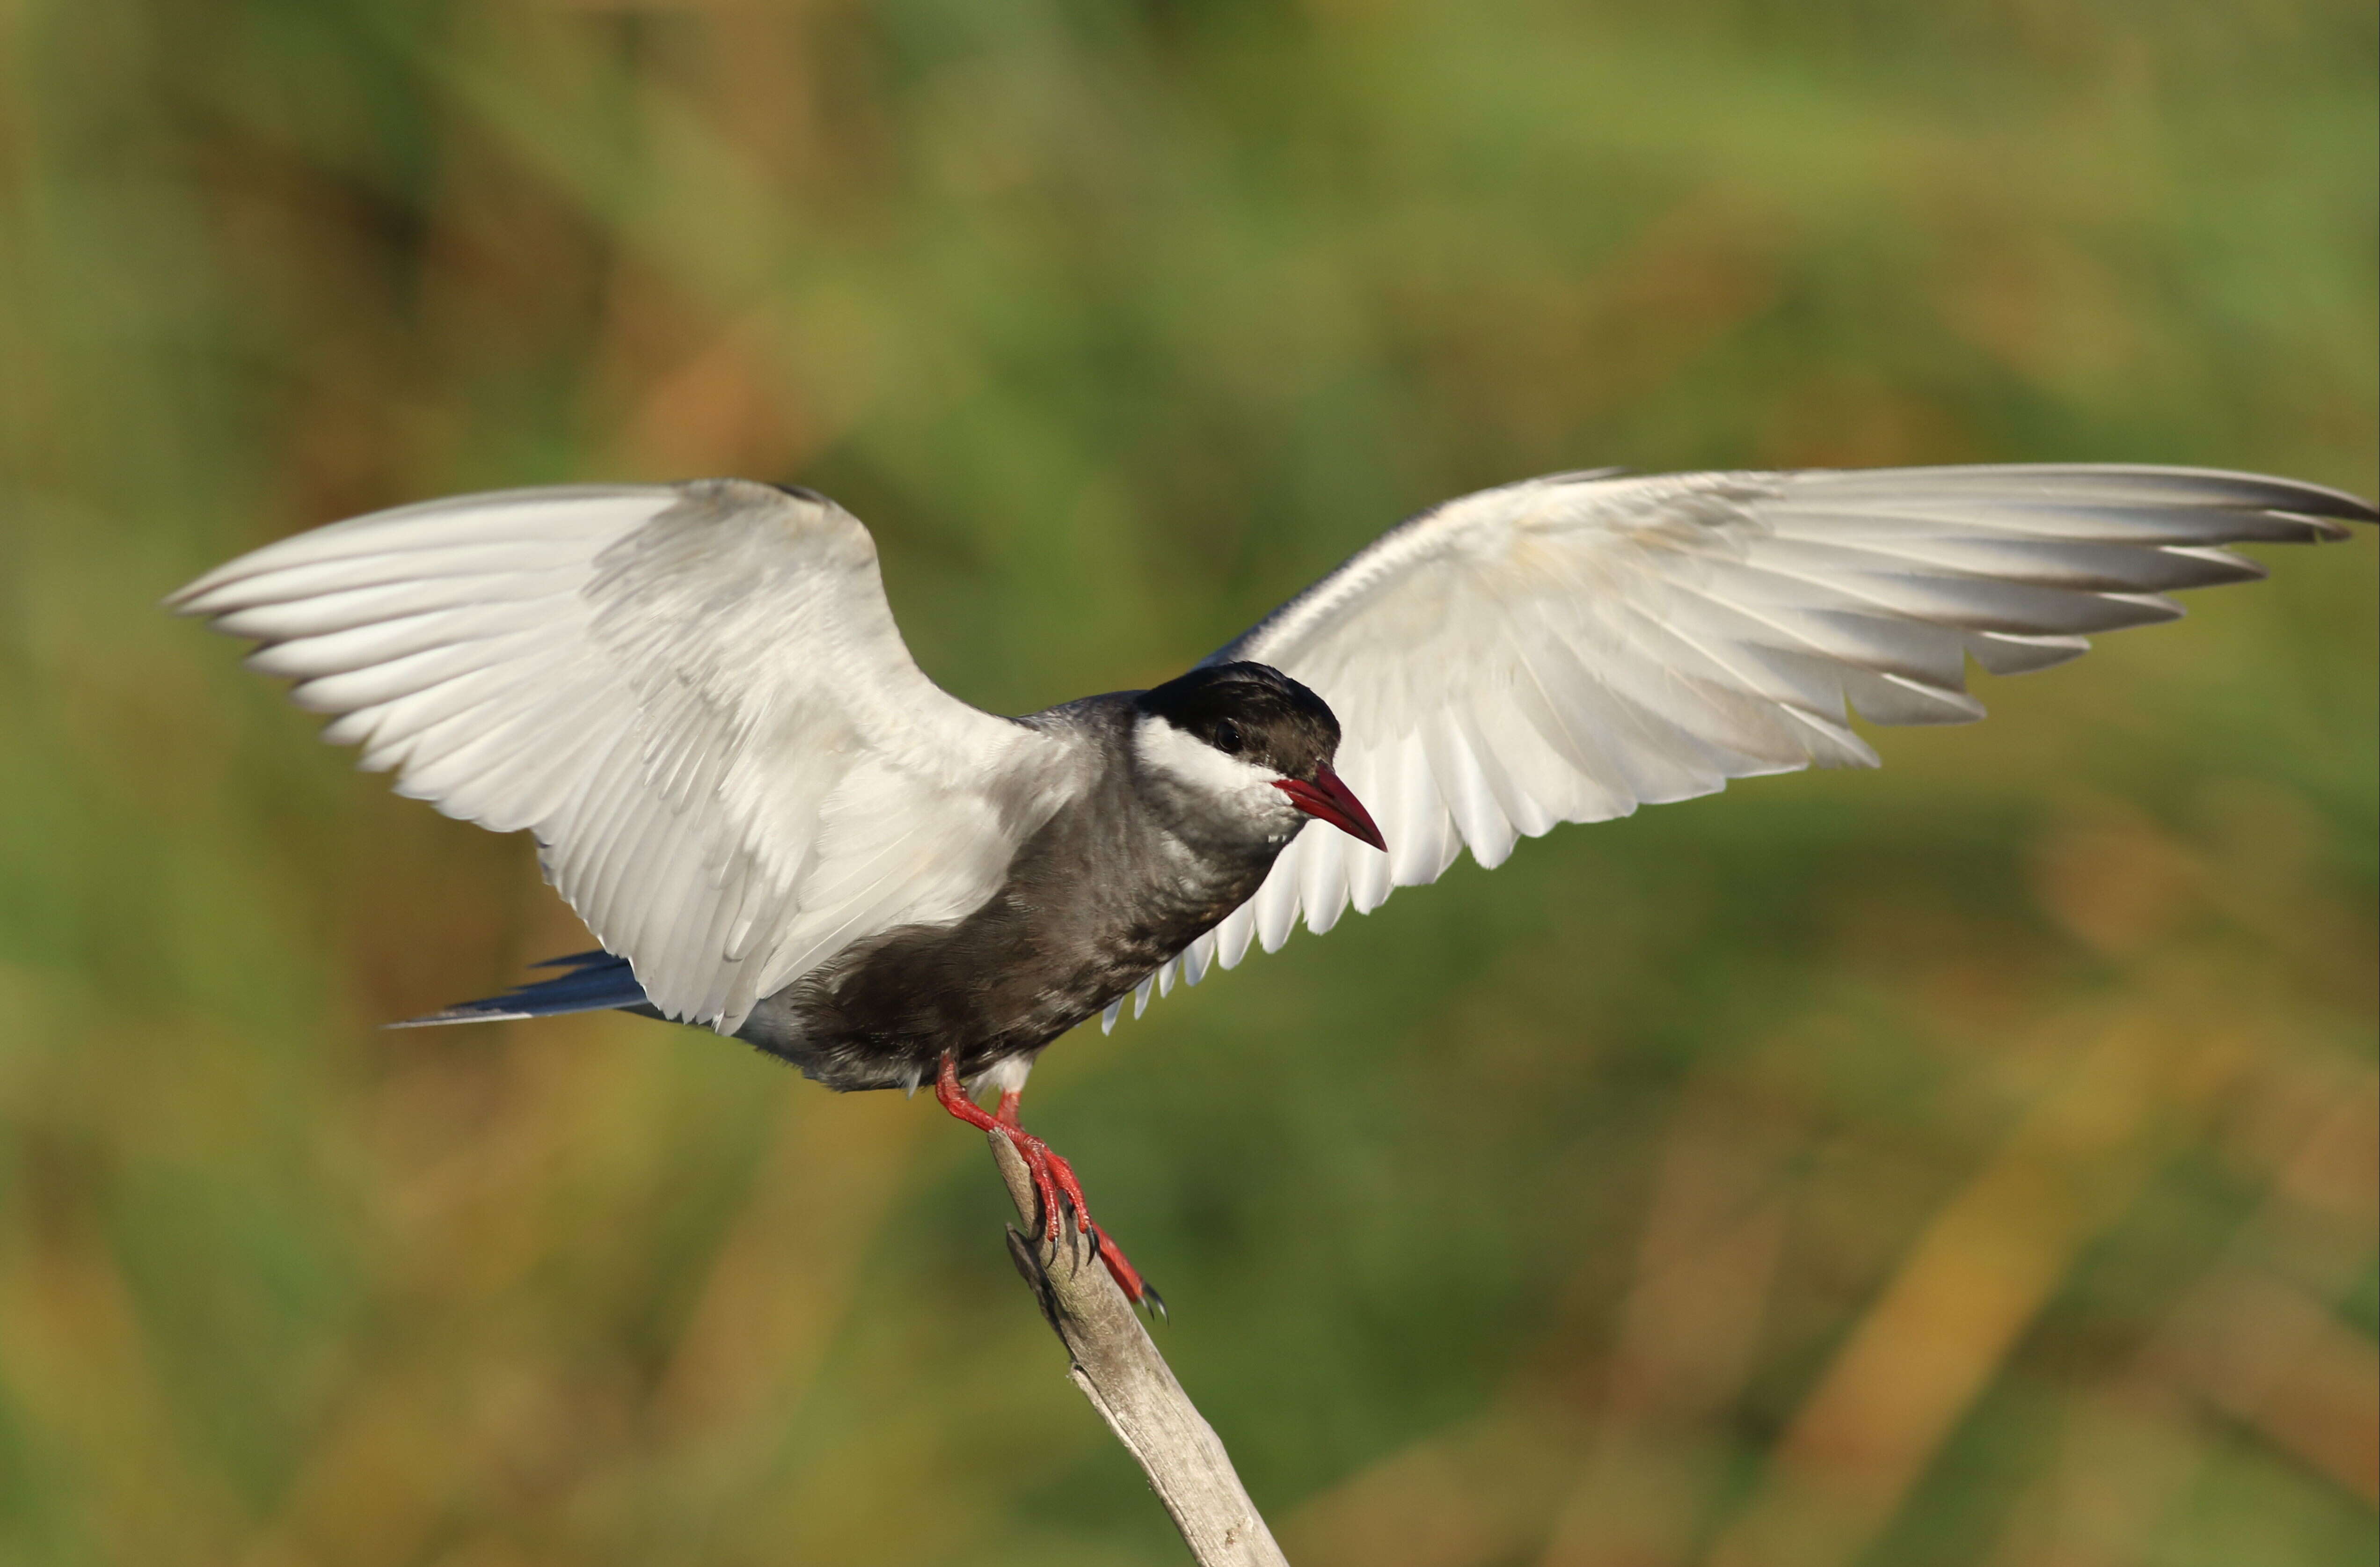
(1054, 1186)
(1137, 1290)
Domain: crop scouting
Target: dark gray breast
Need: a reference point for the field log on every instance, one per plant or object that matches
(1105, 892)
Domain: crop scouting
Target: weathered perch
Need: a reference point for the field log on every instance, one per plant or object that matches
(1118, 1368)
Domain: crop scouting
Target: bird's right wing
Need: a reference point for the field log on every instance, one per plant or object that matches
(694, 694)
(1566, 648)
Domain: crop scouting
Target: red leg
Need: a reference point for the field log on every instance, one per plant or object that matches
(1053, 1180)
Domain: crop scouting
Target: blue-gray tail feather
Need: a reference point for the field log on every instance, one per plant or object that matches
(594, 981)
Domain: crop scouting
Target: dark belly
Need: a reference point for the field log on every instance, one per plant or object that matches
(1043, 956)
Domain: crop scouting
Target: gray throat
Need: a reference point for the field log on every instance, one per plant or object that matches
(1125, 874)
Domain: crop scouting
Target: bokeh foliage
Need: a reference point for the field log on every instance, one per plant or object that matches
(1972, 1163)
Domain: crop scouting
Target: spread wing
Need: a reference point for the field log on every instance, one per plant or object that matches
(1569, 648)
(694, 694)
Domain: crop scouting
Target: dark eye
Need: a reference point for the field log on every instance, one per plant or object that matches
(1227, 737)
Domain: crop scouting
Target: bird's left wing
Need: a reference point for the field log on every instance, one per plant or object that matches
(694, 694)
(1568, 648)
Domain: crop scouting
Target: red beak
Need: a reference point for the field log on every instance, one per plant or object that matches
(1334, 802)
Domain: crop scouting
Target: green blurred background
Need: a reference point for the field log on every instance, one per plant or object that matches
(1972, 1163)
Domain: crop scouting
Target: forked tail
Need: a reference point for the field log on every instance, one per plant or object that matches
(595, 981)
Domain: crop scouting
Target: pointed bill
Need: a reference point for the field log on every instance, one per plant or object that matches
(1329, 799)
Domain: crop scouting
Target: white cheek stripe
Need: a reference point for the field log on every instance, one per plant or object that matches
(1189, 761)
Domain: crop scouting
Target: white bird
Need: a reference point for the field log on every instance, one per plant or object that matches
(778, 828)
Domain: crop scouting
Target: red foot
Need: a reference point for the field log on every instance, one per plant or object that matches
(1053, 1181)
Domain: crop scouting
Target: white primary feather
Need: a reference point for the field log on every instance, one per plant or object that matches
(694, 694)
(1566, 648)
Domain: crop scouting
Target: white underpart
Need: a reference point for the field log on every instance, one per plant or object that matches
(1007, 1076)
(1569, 648)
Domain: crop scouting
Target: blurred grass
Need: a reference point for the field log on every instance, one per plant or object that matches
(1972, 1163)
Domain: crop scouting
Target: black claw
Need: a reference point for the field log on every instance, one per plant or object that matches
(1151, 1299)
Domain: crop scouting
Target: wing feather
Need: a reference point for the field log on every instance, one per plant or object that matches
(694, 694)
(1567, 649)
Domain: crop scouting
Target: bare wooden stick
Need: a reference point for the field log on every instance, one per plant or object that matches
(1118, 1368)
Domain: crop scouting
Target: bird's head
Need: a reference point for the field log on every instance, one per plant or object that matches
(1248, 741)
